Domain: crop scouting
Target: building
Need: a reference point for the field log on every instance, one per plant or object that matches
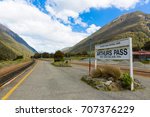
(141, 55)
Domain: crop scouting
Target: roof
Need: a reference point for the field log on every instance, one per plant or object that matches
(141, 53)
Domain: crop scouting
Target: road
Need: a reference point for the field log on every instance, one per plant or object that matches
(47, 82)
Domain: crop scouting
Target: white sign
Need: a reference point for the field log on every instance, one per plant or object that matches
(113, 44)
(120, 49)
(113, 50)
(114, 53)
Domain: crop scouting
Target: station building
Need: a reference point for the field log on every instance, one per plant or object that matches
(141, 55)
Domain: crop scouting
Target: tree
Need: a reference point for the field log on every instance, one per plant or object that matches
(45, 55)
(51, 55)
(147, 45)
(58, 56)
(84, 53)
(18, 57)
(37, 55)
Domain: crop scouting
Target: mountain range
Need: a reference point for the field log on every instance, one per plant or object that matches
(135, 25)
(12, 45)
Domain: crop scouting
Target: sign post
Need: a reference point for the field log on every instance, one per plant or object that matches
(116, 50)
(95, 60)
(131, 64)
(90, 58)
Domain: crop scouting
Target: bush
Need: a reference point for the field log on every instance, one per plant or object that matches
(58, 56)
(18, 57)
(126, 80)
(107, 71)
(61, 64)
(37, 55)
(113, 71)
(96, 73)
(45, 55)
(145, 61)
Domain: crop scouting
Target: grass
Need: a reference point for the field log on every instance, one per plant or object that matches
(107, 71)
(96, 73)
(9, 63)
(112, 71)
(78, 58)
(46, 59)
(61, 64)
(146, 61)
(10, 48)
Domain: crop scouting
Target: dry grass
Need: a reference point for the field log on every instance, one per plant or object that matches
(112, 71)
(96, 73)
(107, 71)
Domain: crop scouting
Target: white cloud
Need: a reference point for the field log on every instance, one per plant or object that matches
(36, 27)
(79, 21)
(124, 4)
(45, 32)
(64, 14)
(92, 28)
(84, 5)
(73, 8)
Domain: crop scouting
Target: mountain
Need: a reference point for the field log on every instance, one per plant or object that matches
(135, 25)
(12, 46)
(16, 37)
(65, 50)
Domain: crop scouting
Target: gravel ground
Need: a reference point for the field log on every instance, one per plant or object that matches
(49, 82)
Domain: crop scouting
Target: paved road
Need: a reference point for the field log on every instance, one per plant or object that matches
(49, 82)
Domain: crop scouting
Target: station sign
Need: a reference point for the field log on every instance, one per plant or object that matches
(116, 50)
(113, 50)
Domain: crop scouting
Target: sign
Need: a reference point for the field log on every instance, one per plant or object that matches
(120, 50)
(114, 53)
(113, 50)
(113, 44)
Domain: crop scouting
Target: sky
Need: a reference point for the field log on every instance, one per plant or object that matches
(50, 25)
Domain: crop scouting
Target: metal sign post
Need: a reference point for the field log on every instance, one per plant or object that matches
(131, 64)
(90, 59)
(95, 60)
(116, 50)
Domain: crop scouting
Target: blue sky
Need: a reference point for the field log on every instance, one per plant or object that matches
(49, 25)
(99, 17)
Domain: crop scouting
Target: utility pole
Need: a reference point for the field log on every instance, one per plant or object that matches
(41, 54)
(90, 58)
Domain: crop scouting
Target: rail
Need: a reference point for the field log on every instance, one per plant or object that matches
(7, 77)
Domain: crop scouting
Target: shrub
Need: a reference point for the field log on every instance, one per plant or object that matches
(96, 73)
(61, 64)
(126, 80)
(58, 56)
(37, 55)
(45, 55)
(113, 71)
(107, 71)
(18, 57)
(145, 61)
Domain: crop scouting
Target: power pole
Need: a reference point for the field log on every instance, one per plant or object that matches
(90, 58)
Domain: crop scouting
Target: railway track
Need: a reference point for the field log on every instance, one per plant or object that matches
(9, 76)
